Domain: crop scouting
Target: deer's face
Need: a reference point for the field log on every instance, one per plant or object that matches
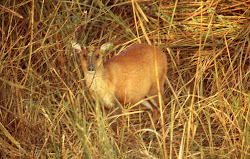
(92, 58)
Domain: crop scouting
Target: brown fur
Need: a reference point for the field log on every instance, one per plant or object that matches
(129, 76)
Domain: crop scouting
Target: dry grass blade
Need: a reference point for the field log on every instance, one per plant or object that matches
(11, 11)
(12, 139)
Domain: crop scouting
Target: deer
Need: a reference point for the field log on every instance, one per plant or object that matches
(136, 73)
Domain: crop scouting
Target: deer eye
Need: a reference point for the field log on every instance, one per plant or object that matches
(97, 56)
(85, 56)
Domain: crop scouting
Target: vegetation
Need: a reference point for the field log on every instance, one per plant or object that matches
(45, 109)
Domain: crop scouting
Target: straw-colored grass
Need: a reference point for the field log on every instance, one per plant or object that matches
(45, 109)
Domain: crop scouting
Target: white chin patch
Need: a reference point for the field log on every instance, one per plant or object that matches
(91, 72)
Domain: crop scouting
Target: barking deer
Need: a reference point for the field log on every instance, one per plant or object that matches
(136, 73)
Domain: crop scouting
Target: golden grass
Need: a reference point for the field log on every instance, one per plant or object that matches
(45, 110)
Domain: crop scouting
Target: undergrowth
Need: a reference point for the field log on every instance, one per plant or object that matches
(45, 108)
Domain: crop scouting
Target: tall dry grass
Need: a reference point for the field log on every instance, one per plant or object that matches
(45, 109)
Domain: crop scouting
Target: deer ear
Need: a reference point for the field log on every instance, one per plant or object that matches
(77, 48)
(106, 47)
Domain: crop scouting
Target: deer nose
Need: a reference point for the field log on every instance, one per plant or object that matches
(91, 68)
